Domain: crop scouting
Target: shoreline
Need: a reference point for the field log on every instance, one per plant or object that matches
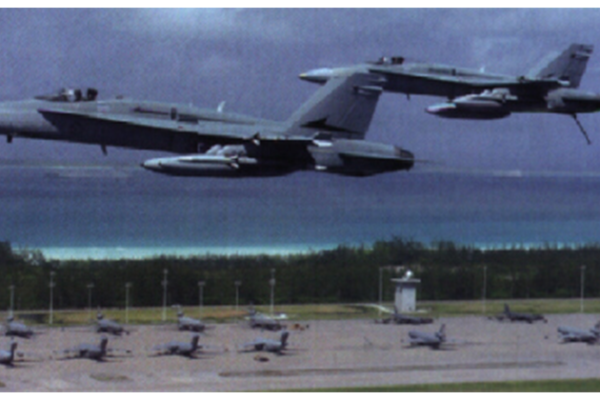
(140, 253)
(148, 252)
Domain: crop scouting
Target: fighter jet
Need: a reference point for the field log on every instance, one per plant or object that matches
(179, 348)
(433, 340)
(19, 329)
(261, 321)
(109, 326)
(270, 345)
(8, 356)
(550, 87)
(91, 351)
(325, 134)
(402, 319)
(590, 336)
(519, 317)
(189, 324)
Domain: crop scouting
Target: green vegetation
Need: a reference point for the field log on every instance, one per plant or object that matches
(573, 385)
(342, 275)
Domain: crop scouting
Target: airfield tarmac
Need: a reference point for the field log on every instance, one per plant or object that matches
(330, 353)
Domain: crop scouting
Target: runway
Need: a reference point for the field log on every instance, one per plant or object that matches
(340, 353)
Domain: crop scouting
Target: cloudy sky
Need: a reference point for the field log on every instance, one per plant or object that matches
(251, 59)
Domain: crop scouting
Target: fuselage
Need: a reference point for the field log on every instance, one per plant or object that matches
(407, 78)
(27, 118)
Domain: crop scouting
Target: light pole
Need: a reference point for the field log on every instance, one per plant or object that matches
(52, 284)
(582, 288)
(483, 289)
(237, 293)
(200, 296)
(272, 284)
(164, 284)
(90, 286)
(12, 300)
(127, 287)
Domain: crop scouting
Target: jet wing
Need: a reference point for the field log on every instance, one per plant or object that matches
(218, 131)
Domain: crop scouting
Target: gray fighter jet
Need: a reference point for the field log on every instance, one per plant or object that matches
(403, 319)
(550, 87)
(589, 336)
(261, 321)
(189, 324)
(179, 348)
(325, 134)
(92, 351)
(19, 329)
(270, 345)
(433, 340)
(519, 317)
(7, 357)
(109, 326)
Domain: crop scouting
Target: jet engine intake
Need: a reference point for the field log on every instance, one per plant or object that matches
(360, 158)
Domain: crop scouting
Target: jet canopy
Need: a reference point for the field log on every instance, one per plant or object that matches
(69, 95)
(390, 61)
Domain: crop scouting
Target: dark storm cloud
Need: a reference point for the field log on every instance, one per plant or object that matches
(251, 59)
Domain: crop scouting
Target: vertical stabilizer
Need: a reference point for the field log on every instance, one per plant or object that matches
(284, 337)
(568, 66)
(342, 108)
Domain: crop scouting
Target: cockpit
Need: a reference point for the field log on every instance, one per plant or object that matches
(67, 95)
(390, 61)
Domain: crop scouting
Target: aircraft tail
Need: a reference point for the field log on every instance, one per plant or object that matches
(195, 340)
(284, 337)
(13, 349)
(567, 66)
(103, 344)
(342, 108)
(442, 333)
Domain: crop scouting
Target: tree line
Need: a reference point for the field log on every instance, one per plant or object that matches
(345, 274)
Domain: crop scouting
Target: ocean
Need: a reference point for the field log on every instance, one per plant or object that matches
(115, 212)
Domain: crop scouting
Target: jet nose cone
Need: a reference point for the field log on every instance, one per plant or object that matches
(152, 165)
(441, 109)
(320, 75)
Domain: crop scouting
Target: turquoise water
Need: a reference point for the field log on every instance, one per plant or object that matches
(113, 213)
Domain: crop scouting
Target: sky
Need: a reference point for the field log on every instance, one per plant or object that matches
(251, 58)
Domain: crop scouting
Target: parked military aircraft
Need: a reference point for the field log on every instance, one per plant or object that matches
(325, 134)
(398, 318)
(109, 326)
(7, 357)
(433, 340)
(19, 329)
(589, 336)
(92, 351)
(270, 345)
(519, 317)
(189, 324)
(261, 321)
(550, 87)
(179, 348)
